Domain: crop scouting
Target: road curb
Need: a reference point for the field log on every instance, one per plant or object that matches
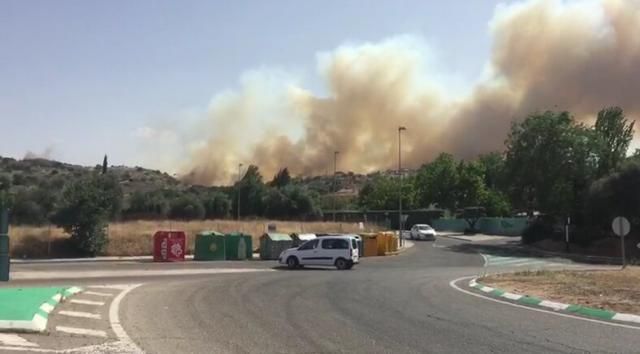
(39, 321)
(408, 244)
(90, 260)
(556, 306)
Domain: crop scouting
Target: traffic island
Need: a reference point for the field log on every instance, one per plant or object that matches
(27, 309)
(603, 294)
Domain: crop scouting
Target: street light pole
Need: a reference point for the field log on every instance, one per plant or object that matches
(335, 170)
(400, 130)
(239, 179)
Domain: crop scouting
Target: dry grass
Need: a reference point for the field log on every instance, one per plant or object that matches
(134, 238)
(617, 290)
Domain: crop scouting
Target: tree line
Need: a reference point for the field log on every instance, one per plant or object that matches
(551, 165)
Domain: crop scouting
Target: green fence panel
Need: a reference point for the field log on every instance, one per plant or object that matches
(451, 225)
(502, 226)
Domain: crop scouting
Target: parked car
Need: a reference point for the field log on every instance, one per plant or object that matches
(422, 232)
(339, 251)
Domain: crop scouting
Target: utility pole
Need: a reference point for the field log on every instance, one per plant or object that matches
(335, 185)
(239, 179)
(400, 130)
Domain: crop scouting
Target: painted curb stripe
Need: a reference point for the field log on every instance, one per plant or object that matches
(588, 311)
(578, 309)
(46, 307)
(529, 300)
(625, 317)
(554, 305)
(39, 321)
(511, 296)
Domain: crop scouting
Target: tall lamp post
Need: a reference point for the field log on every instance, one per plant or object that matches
(400, 130)
(335, 170)
(239, 187)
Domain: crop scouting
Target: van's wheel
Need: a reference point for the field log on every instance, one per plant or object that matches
(292, 262)
(342, 264)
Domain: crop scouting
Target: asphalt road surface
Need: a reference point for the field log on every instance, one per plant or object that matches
(401, 304)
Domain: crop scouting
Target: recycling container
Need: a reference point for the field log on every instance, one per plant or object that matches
(209, 246)
(169, 246)
(383, 243)
(4, 245)
(272, 244)
(248, 240)
(370, 246)
(235, 246)
(299, 239)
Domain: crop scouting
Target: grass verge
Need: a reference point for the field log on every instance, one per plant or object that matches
(615, 290)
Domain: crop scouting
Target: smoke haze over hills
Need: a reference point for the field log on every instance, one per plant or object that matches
(578, 56)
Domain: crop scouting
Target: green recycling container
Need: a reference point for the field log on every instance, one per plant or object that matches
(249, 244)
(210, 246)
(4, 245)
(235, 246)
(272, 244)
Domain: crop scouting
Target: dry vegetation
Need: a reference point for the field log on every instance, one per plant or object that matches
(614, 290)
(134, 238)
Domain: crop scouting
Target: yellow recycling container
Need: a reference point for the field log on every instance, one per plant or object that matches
(383, 243)
(370, 244)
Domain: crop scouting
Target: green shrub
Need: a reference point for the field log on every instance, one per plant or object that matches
(187, 207)
(537, 231)
(85, 208)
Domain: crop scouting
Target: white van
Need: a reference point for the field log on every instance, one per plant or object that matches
(338, 251)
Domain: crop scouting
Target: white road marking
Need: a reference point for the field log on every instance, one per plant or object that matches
(114, 320)
(15, 340)
(455, 286)
(96, 293)
(111, 286)
(80, 314)
(87, 302)
(33, 275)
(82, 331)
(530, 263)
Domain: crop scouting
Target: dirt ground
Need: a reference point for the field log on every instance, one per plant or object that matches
(615, 290)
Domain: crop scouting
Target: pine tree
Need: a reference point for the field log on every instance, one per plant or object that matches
(104, 165)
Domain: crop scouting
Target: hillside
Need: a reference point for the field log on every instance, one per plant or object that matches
(31, 173)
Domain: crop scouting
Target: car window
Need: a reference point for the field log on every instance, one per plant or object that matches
(354, 243)
(309, 245)
(333, 244)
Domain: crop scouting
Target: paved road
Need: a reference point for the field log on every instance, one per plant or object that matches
(401, 304)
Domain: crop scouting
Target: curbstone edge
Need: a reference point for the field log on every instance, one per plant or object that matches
(556, 306)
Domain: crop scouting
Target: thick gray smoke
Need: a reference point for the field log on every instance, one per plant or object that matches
(578, 56)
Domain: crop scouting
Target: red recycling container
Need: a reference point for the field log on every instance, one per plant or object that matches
(169, 246)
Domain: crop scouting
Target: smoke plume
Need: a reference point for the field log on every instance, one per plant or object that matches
(578, 56)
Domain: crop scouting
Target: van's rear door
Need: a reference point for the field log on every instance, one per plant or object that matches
(355, 252)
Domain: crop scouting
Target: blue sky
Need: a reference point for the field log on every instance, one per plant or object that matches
(81, 77)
